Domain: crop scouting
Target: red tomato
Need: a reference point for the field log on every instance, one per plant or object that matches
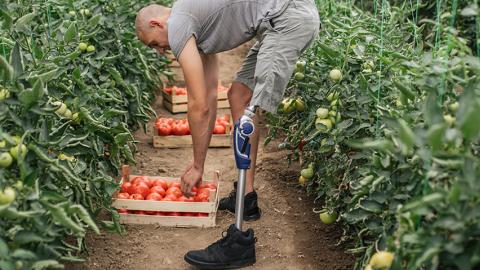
(161, 183)
(176, 130)
(174, 191)
(226, 118)
(168, 90)
(201, 197)
(185, 199)
(123, 195)
(136, 197)
(204, 190)
(170, 197)
(210, 185)
(158, 189)
(190, 214)
(150, 212)
(174, 184)
(142, 188)
(202, 214)
(122, 211)
(194, 189)
(160, 213)
(218, 129)
(139, 179)
(174, 214)
(139, 212)
(164, 129)
(154, 196)
(126, 186)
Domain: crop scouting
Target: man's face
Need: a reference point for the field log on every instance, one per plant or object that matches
(155, 37)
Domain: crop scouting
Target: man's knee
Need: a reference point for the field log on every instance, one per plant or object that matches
(239, 94)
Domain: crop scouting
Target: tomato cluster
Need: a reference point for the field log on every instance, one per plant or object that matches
(180, 127)
(182, 91)
(143, 188)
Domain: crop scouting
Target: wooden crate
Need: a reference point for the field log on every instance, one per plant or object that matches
(173, 141)
(209, 207)
(218, 140)
(178, 104)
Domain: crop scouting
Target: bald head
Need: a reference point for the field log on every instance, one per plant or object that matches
(155, 13)
(151, 26)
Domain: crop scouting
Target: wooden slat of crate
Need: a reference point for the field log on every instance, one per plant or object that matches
(218, 140)
(183, 107)
(170, 221)
(175, 99)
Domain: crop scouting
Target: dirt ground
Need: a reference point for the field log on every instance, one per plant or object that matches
(290, 235)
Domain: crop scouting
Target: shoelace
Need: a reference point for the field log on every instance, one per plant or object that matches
(221, 242)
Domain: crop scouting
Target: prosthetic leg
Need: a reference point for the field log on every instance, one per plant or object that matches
(244, 128)
(236, 248)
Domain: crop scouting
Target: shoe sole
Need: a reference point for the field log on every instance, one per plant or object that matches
(232, 265)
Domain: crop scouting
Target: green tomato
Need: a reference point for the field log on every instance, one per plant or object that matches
(18, 185)
(288, 105)
(3, 143)
(307, 173)
(323, 124)
(299, 105)
(300, 66)
(68, 114)
(5, 160)
(90, 48)
(72, 13)
(449, 119)
(62, 108)
(322, 113)
(7, 196)
(302, 180)
(17, 139)
(453, 107)
(19, 149)
(331, 96)
(82, 46)
(333, 120)
(76, 118)
(4, 94)
(338, 118)
(382, 260)
(299, 76)
(327, 218)
(87, 12)
(334, 102)
(323, 142)
(335, 75)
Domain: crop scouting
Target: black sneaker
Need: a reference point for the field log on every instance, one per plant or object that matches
(234, 250)
(251, 211)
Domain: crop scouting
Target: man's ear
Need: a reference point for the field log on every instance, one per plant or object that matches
(156, 23)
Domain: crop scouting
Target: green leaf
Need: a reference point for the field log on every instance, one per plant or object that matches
(3, 248)
(371, 206)
(6, 69)
(70, 33)
(93, 22)
(7, 265)
(469, 121)
(24, 254)
(25, 237)
(16, 60)
(435, 136)
(85, 216)
(7, 19)
(25, 20)
(30, 97)
(471, 10)
(405, 90)
(406, 134)
(47, 264)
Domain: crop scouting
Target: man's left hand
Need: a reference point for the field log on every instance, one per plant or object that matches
(191, 178)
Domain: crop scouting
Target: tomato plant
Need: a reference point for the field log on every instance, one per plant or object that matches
(386, 132)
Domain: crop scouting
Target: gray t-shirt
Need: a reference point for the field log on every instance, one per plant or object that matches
(218, 25)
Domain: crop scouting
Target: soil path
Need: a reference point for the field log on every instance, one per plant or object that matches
(290, 236)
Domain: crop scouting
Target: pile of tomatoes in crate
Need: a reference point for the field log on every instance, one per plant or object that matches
(180, 127)
(182, 91)
(143, 188)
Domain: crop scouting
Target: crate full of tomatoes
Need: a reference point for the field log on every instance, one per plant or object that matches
(174, 133)
(159, 200)
(175, 98)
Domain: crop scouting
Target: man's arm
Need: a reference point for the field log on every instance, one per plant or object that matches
(198, 72)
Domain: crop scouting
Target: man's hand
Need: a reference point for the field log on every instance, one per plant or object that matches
(192, 177)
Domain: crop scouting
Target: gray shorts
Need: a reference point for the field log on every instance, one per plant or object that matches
(280, 42)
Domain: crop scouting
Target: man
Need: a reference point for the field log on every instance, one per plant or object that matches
(195, 31)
